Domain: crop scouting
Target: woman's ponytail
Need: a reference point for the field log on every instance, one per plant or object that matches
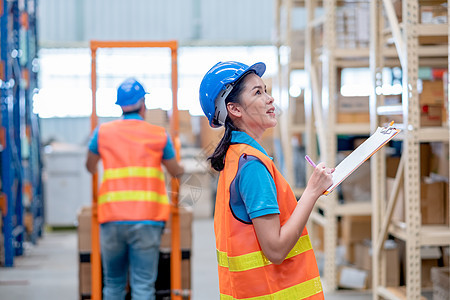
(218, 157)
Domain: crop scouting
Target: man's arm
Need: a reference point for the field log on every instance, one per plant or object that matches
(91, 162)
(174, 168)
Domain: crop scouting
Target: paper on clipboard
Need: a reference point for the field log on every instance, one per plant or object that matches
(374, 143)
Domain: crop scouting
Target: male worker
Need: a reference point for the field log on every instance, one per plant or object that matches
(132, 201)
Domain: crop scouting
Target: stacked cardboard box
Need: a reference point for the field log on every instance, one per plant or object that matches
(84, 252)
(355, 229)
(157, 117)
(433, 203)
(363, 261)
(431, 101)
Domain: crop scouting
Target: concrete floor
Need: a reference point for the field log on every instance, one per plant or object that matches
(49, 270)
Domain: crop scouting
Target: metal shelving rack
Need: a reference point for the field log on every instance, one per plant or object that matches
(19, 135)
(323, 62)
(409, 55)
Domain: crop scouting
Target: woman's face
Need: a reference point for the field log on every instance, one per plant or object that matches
(257, 110)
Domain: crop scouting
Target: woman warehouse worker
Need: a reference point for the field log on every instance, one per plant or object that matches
(263, 247)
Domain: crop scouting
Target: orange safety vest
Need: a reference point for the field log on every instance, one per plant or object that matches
(133, 187)
(244, 270)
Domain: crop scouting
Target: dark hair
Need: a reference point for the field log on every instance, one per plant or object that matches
(218, 157)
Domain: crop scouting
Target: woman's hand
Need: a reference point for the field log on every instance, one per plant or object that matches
(320, 180)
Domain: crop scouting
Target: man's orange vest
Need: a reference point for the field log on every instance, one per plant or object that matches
(133, 187)
(244, 270)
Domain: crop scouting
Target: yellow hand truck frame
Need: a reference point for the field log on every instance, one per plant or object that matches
(175, 257)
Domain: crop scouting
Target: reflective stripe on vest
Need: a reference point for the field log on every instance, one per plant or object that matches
(133, 196)
(126, 172)
(258, 259)
(300, 291)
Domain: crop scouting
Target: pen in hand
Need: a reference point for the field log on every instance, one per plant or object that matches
(308, 159)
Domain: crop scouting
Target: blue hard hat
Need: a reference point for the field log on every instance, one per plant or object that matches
(218, 83)
(130, 92)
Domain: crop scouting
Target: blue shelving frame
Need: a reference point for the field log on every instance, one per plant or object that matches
(20, 156)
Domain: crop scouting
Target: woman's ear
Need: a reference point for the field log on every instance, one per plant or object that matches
(234, 109)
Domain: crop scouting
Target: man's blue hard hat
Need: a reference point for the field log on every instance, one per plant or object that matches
(218, 83)
(130, 92)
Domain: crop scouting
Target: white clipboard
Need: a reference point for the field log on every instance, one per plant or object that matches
(374, 143)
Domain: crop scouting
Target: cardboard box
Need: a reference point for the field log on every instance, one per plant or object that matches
(431, 115)
(433, 40)
(352, 278)
(432, 204)
(84, 229)
(425, 159)
(353, 104)
(432, 92)
(353, 117)
(157, 117)
(186, 216)
(354, 229)
(433, 14)
(363, 260)
(84, 279)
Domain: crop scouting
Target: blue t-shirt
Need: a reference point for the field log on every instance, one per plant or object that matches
(256, 193)
(168, 153)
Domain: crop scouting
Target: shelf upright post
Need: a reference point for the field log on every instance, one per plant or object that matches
(377, 162)
(410, 102)
(328, 154)
(6, 154)
(16, 128)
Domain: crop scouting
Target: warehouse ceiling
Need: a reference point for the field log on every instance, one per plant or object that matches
(73, 23)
